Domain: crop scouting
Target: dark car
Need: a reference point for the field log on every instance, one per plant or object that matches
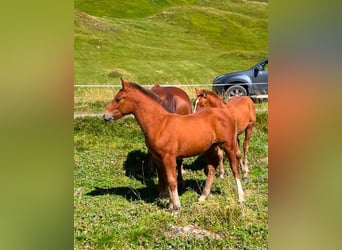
(252, 82)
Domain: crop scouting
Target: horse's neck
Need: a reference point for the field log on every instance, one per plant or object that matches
(148, 113)
(216, 102)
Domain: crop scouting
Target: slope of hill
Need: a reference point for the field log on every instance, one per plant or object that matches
(167, 41)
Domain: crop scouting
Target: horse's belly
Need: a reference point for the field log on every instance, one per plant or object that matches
(192, 148)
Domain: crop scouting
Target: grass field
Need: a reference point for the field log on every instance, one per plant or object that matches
(116, 204)
(163, 41)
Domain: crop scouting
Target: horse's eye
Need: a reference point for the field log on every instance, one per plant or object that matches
(117, 99)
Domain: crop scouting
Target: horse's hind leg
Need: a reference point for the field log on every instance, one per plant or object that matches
(241, 160)
(234, 157)
(151, 162)
(162, 185)
(180, 173)
(245, 169)
(212, 159)
(220, 156)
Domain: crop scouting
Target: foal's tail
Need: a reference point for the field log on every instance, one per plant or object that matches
(170, 103)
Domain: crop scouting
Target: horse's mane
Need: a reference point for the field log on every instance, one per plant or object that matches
(151, 95)
(212, 93)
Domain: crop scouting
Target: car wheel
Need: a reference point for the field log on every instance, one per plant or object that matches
(235, 90)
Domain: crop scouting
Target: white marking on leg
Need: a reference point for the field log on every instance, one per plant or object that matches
(203, 197)
(241, 194)
(244, 169)
(174, 200)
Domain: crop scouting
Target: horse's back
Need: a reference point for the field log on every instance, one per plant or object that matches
(206, 121)
(183, 104)
(196, 132)
(182, 100)
(243, 109)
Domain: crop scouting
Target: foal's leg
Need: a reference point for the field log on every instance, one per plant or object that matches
(162, 185)
(212, 159)
(245, 170)
(180, 173)
(241, 165)
(220, 161)
(169, 163)
(234, 157)
(151, 163)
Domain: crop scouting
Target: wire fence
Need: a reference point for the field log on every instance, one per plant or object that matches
(90, 99)
(151, 85)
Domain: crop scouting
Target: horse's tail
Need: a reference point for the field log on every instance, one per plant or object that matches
(252, 111)
(170, 103)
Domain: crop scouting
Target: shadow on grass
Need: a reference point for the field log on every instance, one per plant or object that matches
(150, 194)
(136, 166)
(198, 164)
(147, 194)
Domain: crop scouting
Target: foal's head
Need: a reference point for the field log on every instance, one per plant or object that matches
(206, 98)
(118, 107)
(126, 101)
(201, 100)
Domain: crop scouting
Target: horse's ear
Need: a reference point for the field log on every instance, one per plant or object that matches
(204, 94)
(196, 91)
(124, 83)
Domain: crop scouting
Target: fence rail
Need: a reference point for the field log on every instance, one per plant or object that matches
(149, 85)
(84, 101)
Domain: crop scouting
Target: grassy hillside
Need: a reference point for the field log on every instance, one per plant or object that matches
(164, 41)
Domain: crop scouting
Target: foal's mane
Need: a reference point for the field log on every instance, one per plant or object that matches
(212, 93)
(149, 94)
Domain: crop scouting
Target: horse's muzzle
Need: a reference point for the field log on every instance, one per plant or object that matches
(108, 117)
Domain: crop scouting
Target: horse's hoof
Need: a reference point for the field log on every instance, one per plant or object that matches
(202, 198)
(245, 179)
(221, 176)
(174, 212)
(241, 201)
(174, 209)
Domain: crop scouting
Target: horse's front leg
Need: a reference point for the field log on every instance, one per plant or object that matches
(169, 164)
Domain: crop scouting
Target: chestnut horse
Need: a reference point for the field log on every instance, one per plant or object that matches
(170, 136)
(175, 98)
(243, 110)
(176, 101)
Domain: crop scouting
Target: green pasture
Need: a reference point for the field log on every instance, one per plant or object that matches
(116, 203)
